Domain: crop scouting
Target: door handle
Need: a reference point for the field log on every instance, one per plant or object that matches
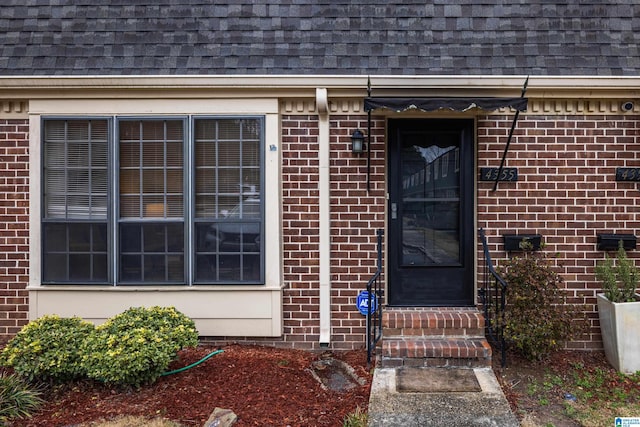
(394, 210)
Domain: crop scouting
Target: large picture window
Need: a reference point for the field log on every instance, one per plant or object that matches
(153, 201)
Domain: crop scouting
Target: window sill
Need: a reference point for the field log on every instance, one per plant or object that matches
(154, 288)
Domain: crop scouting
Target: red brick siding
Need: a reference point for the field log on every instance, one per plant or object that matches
(300, 224)
(566, 191)
(14, 226)
(355, 217)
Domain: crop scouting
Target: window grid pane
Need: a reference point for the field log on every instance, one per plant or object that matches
(151, 169)
(75, 252)
(152, 252)
(75, 169)
(228, 206)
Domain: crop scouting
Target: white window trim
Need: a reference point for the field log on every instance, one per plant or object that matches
(268, 108)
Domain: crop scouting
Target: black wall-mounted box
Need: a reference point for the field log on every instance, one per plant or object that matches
(512, 241)
(609, 242)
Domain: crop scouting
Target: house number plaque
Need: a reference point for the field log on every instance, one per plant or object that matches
(628, 174)
(490, 174)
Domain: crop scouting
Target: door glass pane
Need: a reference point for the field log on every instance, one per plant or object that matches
(430, 210)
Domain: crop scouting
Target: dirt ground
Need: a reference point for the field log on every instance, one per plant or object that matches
(262, 386)
(529, 388)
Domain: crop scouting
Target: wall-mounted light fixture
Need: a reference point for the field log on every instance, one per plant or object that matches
(357, 142)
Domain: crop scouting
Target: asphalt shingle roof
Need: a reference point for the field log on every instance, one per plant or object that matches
(170, 37)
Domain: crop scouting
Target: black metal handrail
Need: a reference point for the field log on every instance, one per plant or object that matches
(493, 297)
(374, 291)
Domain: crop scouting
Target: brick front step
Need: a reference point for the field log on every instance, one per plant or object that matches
(469, 352)
(432, 322)
(434, 337)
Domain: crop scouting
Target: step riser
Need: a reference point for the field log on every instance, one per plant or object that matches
(434, 362)
(436, 348)
(435, 332)
(432, 320)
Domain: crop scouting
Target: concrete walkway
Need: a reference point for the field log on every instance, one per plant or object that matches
(421, 397)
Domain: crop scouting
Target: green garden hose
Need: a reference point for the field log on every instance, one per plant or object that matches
(193, 364)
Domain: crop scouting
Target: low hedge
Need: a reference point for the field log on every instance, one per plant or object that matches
(48, 348)
(136, 346)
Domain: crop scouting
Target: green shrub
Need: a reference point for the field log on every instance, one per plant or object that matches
(48, 348)
(538, 319)
(17, 398)
(136, 346)
(619, 281)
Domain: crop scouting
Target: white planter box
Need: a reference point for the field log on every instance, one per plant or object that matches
(620, 328)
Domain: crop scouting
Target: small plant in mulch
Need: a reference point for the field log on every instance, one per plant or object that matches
(357, 418)
(18, 399)
(538, 319)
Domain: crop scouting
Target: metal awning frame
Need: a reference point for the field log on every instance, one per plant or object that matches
(444, 103)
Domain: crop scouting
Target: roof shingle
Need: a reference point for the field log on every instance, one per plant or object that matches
(169, 37)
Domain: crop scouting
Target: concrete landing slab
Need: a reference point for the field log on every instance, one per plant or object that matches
(391, 406)
(436, 380)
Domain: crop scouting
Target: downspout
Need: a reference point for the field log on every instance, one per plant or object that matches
(324, 200)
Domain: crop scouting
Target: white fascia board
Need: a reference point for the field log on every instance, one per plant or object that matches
(297, 86)
(314, 81)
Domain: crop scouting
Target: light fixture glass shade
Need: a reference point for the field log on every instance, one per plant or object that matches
(357, 142)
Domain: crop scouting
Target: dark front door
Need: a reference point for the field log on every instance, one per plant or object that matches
(430, 216)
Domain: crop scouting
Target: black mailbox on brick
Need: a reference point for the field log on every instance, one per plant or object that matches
(512, 241)
(610, 242)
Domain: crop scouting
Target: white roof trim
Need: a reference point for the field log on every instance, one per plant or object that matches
(545, 86)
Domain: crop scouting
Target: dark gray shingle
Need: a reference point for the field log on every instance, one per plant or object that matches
(82, 37)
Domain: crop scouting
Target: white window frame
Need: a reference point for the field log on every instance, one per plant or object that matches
(265, 108)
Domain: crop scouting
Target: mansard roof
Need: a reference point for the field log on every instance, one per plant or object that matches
(320, 37)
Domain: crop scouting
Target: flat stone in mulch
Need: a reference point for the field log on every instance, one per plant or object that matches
(221, 418)
(335, 375)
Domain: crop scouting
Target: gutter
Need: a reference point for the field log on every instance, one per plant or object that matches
(324, 196)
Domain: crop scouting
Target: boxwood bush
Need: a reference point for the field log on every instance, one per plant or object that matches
(48, 348)
(136, 346)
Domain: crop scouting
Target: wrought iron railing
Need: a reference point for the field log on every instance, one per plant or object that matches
(493, 298)
(374, 311)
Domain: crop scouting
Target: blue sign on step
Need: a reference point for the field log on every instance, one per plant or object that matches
(362, 302)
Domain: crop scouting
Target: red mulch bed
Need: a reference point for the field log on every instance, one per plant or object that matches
(263, 386)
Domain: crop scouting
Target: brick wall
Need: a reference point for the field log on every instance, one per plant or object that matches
(355, 216)
(14, 226)
(566, 191)
(300, 213)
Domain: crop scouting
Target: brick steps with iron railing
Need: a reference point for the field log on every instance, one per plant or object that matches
(434, 337)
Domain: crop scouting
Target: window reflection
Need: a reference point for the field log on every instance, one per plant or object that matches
(430, 201)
